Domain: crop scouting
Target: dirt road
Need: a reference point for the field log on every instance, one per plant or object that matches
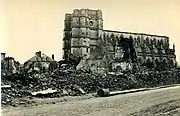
(160, 102)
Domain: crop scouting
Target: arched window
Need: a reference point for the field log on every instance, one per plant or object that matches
(147, 40)
(149, 63)
(130, 37)
(164, 61)
(148, 60)
(155, 42)
(112, 36)
(138, 39)
(157, 62)
(158, 42)
(121, 37)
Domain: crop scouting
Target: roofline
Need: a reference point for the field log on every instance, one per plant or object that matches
(9, 57)
(87, 9)
(136, 33)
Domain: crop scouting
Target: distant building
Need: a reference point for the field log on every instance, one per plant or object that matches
(40, 62)
(84, 36)
(9, 65)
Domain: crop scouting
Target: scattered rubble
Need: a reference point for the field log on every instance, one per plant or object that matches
(66, 80)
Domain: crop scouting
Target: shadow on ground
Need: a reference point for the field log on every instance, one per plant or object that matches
(171, 108)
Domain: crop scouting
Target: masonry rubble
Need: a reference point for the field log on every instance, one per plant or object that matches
(75, 77)
(66, 80)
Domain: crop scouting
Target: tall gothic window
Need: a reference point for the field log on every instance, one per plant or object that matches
(138, 39)
(147, 40)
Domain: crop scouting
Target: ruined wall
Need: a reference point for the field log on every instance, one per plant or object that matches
(148, 48)
(9, 65)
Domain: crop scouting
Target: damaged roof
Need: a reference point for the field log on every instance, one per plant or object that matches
(42, 58)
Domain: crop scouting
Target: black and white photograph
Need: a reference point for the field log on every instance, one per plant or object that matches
(90, 57)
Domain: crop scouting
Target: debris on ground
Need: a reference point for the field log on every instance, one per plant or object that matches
(66, 80)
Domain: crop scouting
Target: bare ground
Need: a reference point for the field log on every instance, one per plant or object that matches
(170, 108)
(160, 102)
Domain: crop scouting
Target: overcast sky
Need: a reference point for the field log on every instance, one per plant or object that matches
(27, 26)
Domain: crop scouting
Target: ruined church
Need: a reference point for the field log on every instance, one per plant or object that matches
(84, 36)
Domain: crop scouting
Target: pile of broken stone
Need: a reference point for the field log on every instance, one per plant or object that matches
(66, 80)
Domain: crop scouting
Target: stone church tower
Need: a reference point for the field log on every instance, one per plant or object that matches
(81, 32)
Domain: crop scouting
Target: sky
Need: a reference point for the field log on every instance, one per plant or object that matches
(28, 26)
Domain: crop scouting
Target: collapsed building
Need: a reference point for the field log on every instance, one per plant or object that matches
(85, 37)
(40, 62)
(9, 65)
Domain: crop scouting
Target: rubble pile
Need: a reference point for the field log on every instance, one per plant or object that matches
(16, 88)
(68, 81)
(155, 78)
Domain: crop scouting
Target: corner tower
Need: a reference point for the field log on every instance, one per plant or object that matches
(81, 32)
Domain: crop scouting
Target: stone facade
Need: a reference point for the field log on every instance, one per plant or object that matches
(84, 36)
